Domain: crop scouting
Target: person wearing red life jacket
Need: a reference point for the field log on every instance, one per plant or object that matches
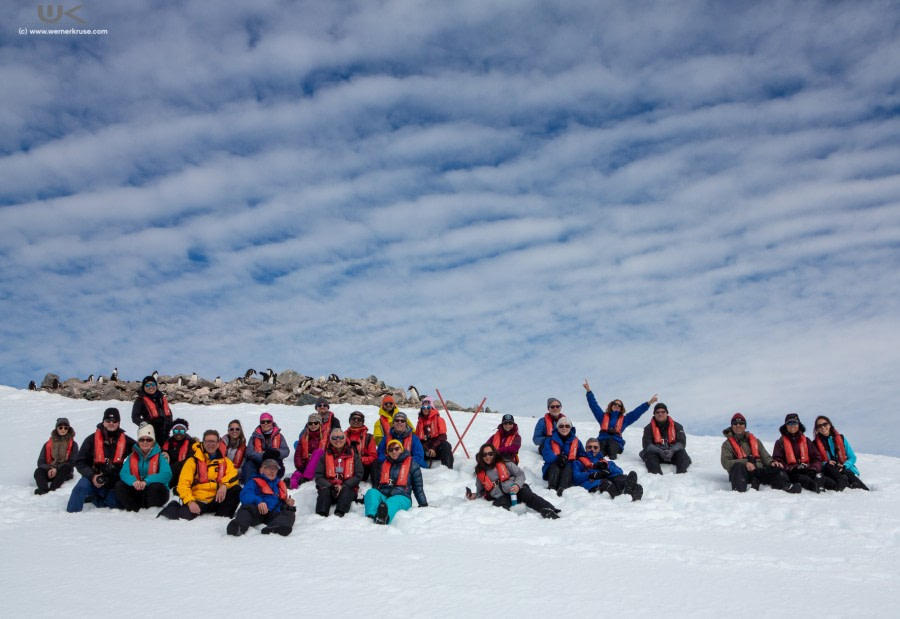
(385, 419)
(308, 450)
(329, 419)
(547, 424)
(560, 453)
(152, 407)
(432, 432)
(266, 442)
(664, 441)
(595, 473)
(56, 460)
(401, 431)
(233, 445)
(144, 478)
(99, 460)
(208, 483)
(398, 478)
(497, 480)
(362, 442)
(338, 474)
(796, 454)
(613, 421)
(265, 500)
(177, 448)
(747, 461)
(838, 458)
(506, 440)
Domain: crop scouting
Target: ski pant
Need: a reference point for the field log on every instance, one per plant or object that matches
(527, 496)
(610, 448)
(330, 495)
(806, 478)
(654, 455)
(174, 511)
(373, 498)
(85, 491)
(309, 469)
(443, 454)
(154, 495)
(769, 475)
(248, 516)
(559, 478)
(64, 473)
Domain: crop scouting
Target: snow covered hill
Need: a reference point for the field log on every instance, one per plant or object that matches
(690, 547)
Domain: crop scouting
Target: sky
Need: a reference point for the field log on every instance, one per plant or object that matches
(498, 200)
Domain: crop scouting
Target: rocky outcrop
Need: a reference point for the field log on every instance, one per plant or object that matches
(290, 387)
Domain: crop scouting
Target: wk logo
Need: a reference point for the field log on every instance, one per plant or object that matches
(53, 18)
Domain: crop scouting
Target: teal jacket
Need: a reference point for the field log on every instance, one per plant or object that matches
(143, 463)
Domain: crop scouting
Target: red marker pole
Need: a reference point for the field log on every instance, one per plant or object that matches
(477, 410)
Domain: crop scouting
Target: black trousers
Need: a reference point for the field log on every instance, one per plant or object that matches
(526, 496)
(444, 453)
(154, 495)
(248, 516)
(343, 499)
(559, 478)
(680, 459)
(806, 478)
(610, 448)
(64, 473)
(226, 509)
(771, 476)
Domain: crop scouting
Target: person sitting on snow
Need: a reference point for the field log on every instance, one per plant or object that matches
(747, 461)
(506, 440)
(99, 461)
(265, 500)
(432, 432)
(56, 461)
(596, 474)
(398, 477)
(560, 452)
(362, 442)
(503, 483)
(664, 441)
(338, 474)
(308, 450)
(265, 443)
(208, 483)
(547, 424)
(401, 431)
(144, 478)
(385, 418)
(177, 448)
(613, 421)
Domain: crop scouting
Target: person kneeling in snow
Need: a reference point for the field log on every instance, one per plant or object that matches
(747, 461)
(502, 482)
(595, 474)
(144, 478)
(208, 483)
(399, 476)
(264, 500)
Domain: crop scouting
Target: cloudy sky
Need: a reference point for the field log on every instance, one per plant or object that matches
(500, 199)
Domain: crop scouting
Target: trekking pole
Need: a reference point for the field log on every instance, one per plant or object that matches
(453, 423)
(477, 410)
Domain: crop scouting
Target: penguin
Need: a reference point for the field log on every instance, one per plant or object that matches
(269, 376)
(101, 380)
(218, 380)
(155, 375)
(249, 373)
(413, 394)
(334, 378)
(180, 381)
(32, 386)
(114, 377)
(55, 384)
(90, 379)
(305, 385)
(194, 377)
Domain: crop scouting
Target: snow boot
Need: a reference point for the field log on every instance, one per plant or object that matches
(280, 530)
(793, 488)
(381, 516)
(234, 529)
(629, 483)
(637, 493)
(549, 513)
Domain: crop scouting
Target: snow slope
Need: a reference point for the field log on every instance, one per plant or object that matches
(691, 547)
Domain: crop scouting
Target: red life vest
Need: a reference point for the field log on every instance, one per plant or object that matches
(385, 424)
(549, 423)
(267, 489)
(840, 455)
(275, 438)
(502, 476)
(152, 466)
(573, 449)
(303, 444)
(182, 451)
(358, 439)
(739, 453)
(586, 462)
(670, 432)
(238, 455)
(151, 408)
(430, 427)
(498, 440)
(344, 459)
(604, 427)
(48, 450)
(402, 479)
(100, 456)
(789, 449)
(325, 428)
(201, 473)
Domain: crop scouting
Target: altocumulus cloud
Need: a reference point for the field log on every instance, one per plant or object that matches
(497, 199)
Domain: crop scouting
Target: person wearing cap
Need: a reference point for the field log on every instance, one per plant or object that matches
(432, 432)
(398, 477)
(361, 442)
(385, 418)
(499, 481)
(838, 458)
(265, 500)
(560, 452)
(664, 441)
(56, 460)
(266, 442)
(308, 450)
(144, 478)
(796, 455)
(208, 483)
(547, 424)
(747, 461)
(328, 418)
(613, 421)
(99, 461)
(401, 431)
(338, 474)
(506, 440)
(152, 407)
(595, 473)
(177, 448)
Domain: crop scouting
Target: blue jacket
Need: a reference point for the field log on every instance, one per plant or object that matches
(418, 453)
(850, 464)
(415, 480)
(252, 495)
(540, 431)
(580, 473)
(162, 477)
(564, 445)
(630, 418)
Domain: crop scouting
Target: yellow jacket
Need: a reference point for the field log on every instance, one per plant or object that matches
(378, 431)
(189, 486)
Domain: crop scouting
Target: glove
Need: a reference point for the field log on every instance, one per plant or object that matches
(598, 475)
(561, 461)
(601, 465)
(273, 454)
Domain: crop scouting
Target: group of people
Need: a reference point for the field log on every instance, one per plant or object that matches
(245, 480)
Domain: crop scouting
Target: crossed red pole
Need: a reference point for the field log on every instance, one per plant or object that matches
(453, 423)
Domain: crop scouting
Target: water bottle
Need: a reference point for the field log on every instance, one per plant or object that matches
(513, 499)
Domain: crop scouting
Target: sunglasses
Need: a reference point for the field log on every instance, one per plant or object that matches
(145, 439)
(265, 422)
(359, 419)
(338, 438)
(321, 406)
(563, 426)
(179, 432)
(554, 406)
(110, 420)
(738, 422)
(593, 447)
(399, 420)
(792, 423)
(487, 454)
(393, 449)
(314, 423)
(823, 425)
(149, 384)
(234, 429)
(62, 427)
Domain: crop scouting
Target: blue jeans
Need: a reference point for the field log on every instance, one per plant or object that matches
(85, 491)
(373, 498)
